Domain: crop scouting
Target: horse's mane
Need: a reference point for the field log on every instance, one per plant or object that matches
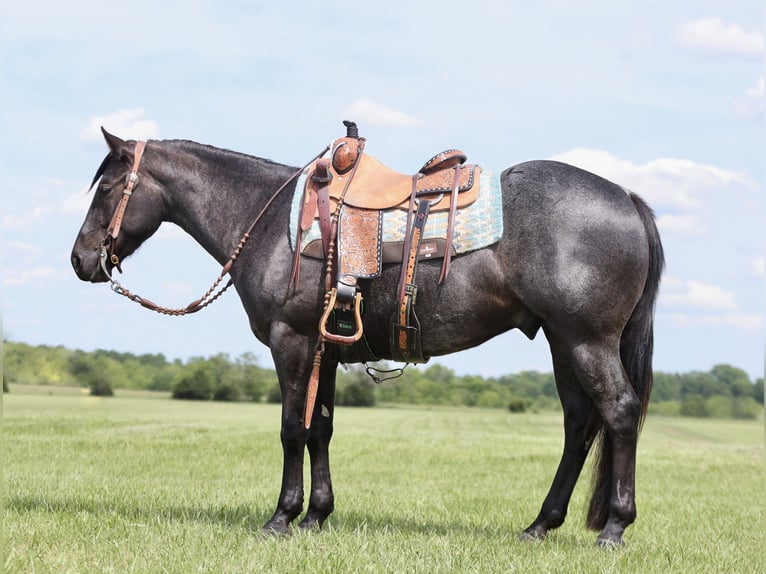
(218, 151)
(185, 144)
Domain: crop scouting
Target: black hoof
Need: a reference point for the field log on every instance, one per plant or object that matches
(312, 521)
(533, 534)
(610, 543)
(275, 529)
(310, 526)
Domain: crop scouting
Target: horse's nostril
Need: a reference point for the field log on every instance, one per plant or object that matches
(76, 262)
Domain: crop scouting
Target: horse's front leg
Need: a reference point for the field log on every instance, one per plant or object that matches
(321, 500)
(290, 501)
(293, 358)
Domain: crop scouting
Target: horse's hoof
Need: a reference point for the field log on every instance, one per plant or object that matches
(533, 535)
(312, 521)
(275, 529)
(310, 526)
(610, 543)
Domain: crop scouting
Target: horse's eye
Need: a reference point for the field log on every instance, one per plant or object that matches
(105, 188)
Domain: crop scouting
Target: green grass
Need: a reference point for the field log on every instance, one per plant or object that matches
(134, 485)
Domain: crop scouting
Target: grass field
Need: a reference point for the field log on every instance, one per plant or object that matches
(135, 485)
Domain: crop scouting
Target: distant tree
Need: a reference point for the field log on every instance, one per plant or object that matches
(735, 380)
(254, 381)
(100, 387)
(439, 374)
(357, 394)
(517, 405)
(221, 376)
(93, 370)
(665, 408)
(746, 408)
(719, 407)
(666, 387)
(698, 383)
(758, 391)
(694, 406)
(227, 391)
(194, 384)
(158, 360)
(489, 399)
(355, 389)
(5, 385)
(274, 395)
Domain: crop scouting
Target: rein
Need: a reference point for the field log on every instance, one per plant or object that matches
(113, 231)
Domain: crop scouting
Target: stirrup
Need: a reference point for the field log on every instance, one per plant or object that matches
(341, 339)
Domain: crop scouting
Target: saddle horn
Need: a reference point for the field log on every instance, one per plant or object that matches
(352, 131)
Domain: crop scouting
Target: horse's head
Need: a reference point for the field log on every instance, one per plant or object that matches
(99, 236)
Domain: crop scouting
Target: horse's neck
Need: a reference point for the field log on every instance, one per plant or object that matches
(215, 195)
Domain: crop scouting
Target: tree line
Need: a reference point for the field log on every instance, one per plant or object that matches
(724, 391)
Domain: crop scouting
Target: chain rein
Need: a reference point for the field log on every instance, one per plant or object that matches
(211, 295)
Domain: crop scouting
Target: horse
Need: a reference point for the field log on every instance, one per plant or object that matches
(580, 258)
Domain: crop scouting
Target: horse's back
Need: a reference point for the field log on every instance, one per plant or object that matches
(540, 186)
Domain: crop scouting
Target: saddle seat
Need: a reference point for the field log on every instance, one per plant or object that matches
(377, 186)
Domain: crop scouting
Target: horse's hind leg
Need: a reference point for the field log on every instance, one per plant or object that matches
(577, 407)
(600, 371)
(321, 500)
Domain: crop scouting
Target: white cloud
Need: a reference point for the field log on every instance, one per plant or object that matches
(696, 294)
(714, 36)
(758, 266)
(753, 103)
(22, 247)
(129, 123)
(368, 111)
(680, 224)
(76, 204)
(170, 231)
(29, 219)
(664, 182)
(750, 322)
(19, 278)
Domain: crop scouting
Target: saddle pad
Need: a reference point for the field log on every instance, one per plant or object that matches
(476, 226)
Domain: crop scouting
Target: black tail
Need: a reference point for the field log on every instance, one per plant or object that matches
(636, 348)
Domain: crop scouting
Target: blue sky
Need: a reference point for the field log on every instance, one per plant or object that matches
(666, 99)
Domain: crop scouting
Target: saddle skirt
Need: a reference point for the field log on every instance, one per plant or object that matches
(373, 217)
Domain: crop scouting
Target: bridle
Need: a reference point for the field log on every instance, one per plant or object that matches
(113, 231)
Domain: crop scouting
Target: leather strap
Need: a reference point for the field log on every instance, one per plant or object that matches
(407, 238)
(450, 226)
(323, 177)
(130, 183)
(408, 288)
(316, 199)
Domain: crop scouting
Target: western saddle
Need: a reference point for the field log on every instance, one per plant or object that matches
(347, 194)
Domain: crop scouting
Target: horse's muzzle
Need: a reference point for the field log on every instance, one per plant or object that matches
(88, 268)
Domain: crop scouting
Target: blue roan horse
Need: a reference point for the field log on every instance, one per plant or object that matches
(580, 257)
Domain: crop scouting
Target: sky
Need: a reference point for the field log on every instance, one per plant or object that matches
(664, 98)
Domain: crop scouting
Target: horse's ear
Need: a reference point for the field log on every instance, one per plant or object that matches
(115, 144)
(119, 148)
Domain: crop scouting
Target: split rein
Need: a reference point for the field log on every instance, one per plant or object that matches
(113, 231)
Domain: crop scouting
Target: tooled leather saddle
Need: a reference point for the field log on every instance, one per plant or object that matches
(348, 193)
